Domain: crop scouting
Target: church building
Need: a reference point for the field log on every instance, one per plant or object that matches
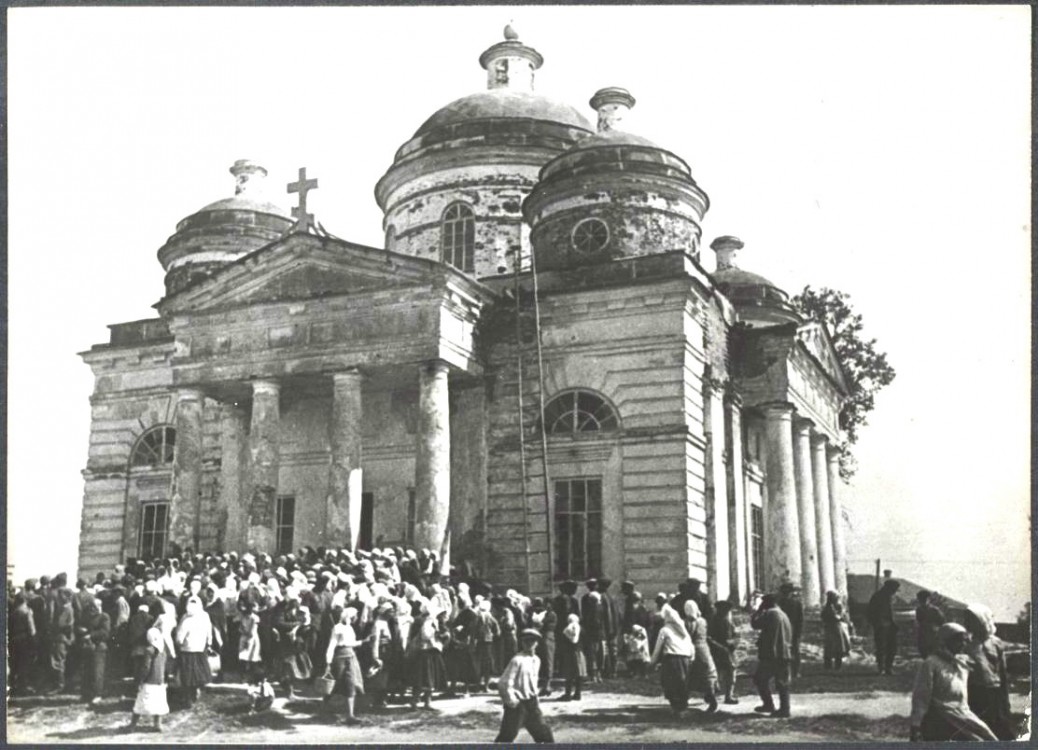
(536, 375)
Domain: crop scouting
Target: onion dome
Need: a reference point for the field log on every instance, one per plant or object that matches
(614, 195)
(224, 230)
(757, 301)
(475, 160)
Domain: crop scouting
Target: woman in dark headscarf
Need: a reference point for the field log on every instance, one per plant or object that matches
(836, 624)
(940, 710)
(673, 652)
(988, 681)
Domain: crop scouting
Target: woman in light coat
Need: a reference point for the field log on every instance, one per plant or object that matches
(673, 652)
(194, 639)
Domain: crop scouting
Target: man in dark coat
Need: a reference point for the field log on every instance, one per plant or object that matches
(21, 644)
(790, 603)
(773, 654)
(611, 633)
(565, 604)
(928, 619)
(38, 606)
(880, 615)
(692, 589)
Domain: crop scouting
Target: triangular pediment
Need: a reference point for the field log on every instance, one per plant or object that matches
(302, 267)
(815, 339)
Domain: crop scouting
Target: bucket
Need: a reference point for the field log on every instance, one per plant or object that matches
(325, 685)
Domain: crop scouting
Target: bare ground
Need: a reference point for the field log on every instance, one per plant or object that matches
(852, 705)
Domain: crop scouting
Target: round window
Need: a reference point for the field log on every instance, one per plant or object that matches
(590, 236)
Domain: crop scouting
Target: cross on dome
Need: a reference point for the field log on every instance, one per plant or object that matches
(304, 220)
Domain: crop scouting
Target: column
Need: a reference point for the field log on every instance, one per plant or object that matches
(231, 510)
(738, 565)
(812, 594)
(836, 518)
(345, 481)
(822, 515)
(187, 470)
(781, 526)
(264, 463)
(433, 457)
(717, 557)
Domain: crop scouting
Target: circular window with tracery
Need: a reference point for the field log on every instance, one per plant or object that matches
(590, 236)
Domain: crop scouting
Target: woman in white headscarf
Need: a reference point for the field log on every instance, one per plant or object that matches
(194, 640)
(151, 681)
(940, 710)
(572, 662)
(344, 665)
(988, 679)
(673, 652)
(702, 672)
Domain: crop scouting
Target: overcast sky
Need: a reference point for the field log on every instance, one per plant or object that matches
(882, 151)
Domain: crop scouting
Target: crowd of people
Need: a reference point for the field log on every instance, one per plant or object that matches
(388, 624)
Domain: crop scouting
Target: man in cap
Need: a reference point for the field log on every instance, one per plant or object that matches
(773, 655)
(611, 631)
(592, 629)
(880, 614)
(518, 688)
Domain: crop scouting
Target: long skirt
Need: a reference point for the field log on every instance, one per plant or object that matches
(193, 669)
(151, 700)
(295, 667)
(346, 670)
(485, 660)
(461, 663)
(674, 671)
(429, 672)
(945, 726)
(991, 705)
(572, 662)
(837, 641)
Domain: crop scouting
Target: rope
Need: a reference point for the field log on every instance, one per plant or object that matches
(540, 421)
(522, 425)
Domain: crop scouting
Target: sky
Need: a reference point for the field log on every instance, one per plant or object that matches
(883, 151)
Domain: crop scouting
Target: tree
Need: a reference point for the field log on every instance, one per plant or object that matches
(866, 369)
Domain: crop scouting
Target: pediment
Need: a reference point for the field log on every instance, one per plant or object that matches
(302, 267)
(815, 339)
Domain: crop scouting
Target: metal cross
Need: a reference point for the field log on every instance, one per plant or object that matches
(304, 221)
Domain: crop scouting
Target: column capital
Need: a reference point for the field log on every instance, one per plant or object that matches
(266, 386)
(777, 410)
(832, 452)
(435, 366)
(732, 398)
(819, 439)
(189, 394)
(349, 375)
(802, 424)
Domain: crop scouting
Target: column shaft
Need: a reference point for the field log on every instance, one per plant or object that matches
(781, 525)
(823, 520)
(187, 471)
(737, 533)
(717, 557)
(264, 464)
(836, 518)
(230, 534)
(812, 595)
(432, 458)
(345, 481)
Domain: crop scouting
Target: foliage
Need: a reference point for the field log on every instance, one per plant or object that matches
(865, 368)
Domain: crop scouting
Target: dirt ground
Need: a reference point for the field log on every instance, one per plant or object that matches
(853, 705)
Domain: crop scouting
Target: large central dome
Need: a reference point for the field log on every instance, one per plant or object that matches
(455, 190)
(501, 104)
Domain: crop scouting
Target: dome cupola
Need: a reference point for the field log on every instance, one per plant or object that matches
(455, 189)
(223, 231)
(757, 301)
(613, 195)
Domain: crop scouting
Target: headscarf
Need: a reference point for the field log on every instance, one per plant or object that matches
(673, 623)
(194, 606)
(985, 620)
(155, 640)
(945, 635)
(692, 609)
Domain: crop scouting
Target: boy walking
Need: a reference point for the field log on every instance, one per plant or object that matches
(518, 689)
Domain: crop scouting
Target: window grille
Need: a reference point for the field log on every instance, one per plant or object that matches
(154, 530)
(459, 237)
(285, 524)
(757, 544)
(578, 528)
(578, 411)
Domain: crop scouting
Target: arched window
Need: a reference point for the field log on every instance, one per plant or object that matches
(391, 239)
(459, 237)
(578, 411)
(154, 448)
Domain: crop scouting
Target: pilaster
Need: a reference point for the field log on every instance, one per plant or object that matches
(264, 464)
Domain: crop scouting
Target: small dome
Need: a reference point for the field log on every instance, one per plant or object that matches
(758, 300)
(612, 138)
(504, 103)
(243, 203)
(737, 277)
